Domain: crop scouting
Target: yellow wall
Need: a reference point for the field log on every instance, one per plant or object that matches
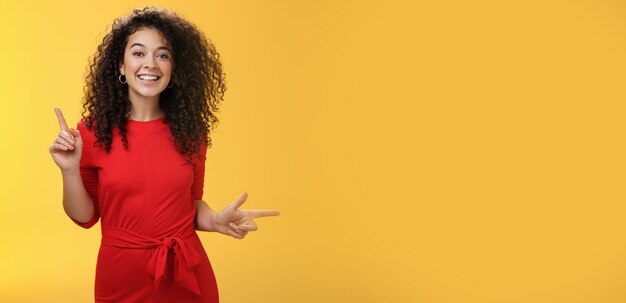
(419, 151)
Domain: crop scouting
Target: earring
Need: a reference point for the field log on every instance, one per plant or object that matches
(120, 78)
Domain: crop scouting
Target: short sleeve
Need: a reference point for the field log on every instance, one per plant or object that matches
(197, 188)
(88, 173)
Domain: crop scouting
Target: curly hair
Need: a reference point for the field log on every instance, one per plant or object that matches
(197, 82)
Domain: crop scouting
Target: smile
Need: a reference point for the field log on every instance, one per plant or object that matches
(148, 78)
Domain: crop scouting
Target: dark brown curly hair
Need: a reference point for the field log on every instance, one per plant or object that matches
(197, 82)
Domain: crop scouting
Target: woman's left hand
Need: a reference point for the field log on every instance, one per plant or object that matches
(236, 222)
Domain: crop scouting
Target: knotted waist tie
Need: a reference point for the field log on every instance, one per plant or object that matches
(186, 257)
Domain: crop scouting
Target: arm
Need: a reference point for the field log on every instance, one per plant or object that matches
(205, 216)
(77, 203)
(79, 180)
(80, 192)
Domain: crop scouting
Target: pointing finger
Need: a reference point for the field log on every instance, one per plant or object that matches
(262, 213)
(61, 119)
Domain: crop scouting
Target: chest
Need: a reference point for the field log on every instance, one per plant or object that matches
(150, 164)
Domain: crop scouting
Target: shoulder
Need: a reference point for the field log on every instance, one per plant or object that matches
(83, 121)
(201, 157)
(88, 135)
(203, 149)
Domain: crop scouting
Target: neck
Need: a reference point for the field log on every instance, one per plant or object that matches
(144, 108)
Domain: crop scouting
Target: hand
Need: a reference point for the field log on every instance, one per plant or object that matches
(236, 222)
(67, 149)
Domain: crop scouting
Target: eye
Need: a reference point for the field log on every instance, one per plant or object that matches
(135, 53)
(164, 56)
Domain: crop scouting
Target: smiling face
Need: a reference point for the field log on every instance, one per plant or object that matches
(147, 64)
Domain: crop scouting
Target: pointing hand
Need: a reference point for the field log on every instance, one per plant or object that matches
(66, 150)
(237, 222)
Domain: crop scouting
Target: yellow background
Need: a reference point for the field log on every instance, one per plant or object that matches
(419, 151)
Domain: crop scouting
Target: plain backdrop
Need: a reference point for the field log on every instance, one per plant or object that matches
(419, 151)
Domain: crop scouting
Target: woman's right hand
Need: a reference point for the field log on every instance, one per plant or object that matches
(67, 149)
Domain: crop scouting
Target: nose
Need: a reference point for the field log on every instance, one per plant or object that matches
(149, 63)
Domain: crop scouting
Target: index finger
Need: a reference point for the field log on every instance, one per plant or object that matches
(61, 119)
(262, 213)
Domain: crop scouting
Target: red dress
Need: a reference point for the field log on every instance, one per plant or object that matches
(144, 198)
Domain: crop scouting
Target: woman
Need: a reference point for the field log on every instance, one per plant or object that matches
(136, 162)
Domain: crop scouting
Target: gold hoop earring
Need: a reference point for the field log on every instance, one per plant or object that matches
(120, 78)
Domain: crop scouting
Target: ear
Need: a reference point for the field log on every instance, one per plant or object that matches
(122, 68)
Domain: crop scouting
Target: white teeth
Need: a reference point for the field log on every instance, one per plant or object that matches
(146, 77)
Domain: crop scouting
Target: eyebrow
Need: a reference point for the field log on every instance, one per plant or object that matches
(158, 48)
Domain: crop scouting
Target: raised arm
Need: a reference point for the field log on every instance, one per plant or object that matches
(66, 152)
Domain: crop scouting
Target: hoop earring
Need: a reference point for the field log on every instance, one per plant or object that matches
(120, 78)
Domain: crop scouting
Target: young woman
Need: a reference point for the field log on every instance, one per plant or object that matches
(136, 161)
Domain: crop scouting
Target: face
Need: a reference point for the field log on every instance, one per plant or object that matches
(147, 64)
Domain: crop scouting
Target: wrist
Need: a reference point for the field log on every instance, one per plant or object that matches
(212, 219)
(70, 172)
(205, 217)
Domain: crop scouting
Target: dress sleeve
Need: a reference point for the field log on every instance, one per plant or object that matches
(197, 188)
(88, 173)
